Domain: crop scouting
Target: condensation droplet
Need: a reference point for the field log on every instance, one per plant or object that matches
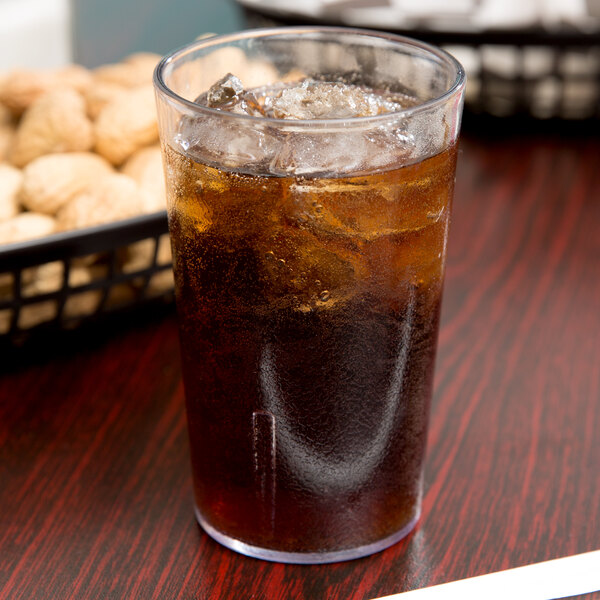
(324, 296)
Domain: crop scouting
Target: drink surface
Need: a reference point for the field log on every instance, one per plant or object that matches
(309, 309)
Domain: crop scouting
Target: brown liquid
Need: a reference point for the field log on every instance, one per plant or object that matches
(309, 313)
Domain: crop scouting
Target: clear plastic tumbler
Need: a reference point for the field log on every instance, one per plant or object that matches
(310, 174)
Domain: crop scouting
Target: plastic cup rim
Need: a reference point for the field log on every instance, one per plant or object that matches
(161, 86)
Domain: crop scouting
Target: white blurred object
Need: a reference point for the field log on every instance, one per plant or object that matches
(429, 8)
(35, 34)
(548, 580)
(308, 7)
(573, 12)
(445, 15)
(508, 14)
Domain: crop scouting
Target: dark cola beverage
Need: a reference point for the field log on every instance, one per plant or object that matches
(308, 280)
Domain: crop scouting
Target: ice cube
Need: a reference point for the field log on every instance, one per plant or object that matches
(366, 207)
(301, 271)
(224, 92)
(248, 104)
(318, 153)
(229, 143)
(326, 100)
(351, 152)
(229, 94)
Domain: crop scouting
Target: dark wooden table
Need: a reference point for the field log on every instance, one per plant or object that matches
(95, 488)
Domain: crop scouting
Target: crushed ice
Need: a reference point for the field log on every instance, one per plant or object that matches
(239, 144)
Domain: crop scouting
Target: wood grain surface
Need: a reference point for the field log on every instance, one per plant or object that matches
(95, 486)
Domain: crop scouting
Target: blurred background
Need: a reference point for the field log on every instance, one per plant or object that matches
(95, 32)
(145, 25)
(535, 57)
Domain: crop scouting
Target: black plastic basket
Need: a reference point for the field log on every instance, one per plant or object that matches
(565, 86)
(63, 303)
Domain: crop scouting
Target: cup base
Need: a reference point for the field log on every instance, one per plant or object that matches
(304, 558)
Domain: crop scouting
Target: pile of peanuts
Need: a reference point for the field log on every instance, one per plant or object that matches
(78, 148)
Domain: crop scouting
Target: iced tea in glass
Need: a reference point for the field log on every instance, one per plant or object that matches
(310, 176)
